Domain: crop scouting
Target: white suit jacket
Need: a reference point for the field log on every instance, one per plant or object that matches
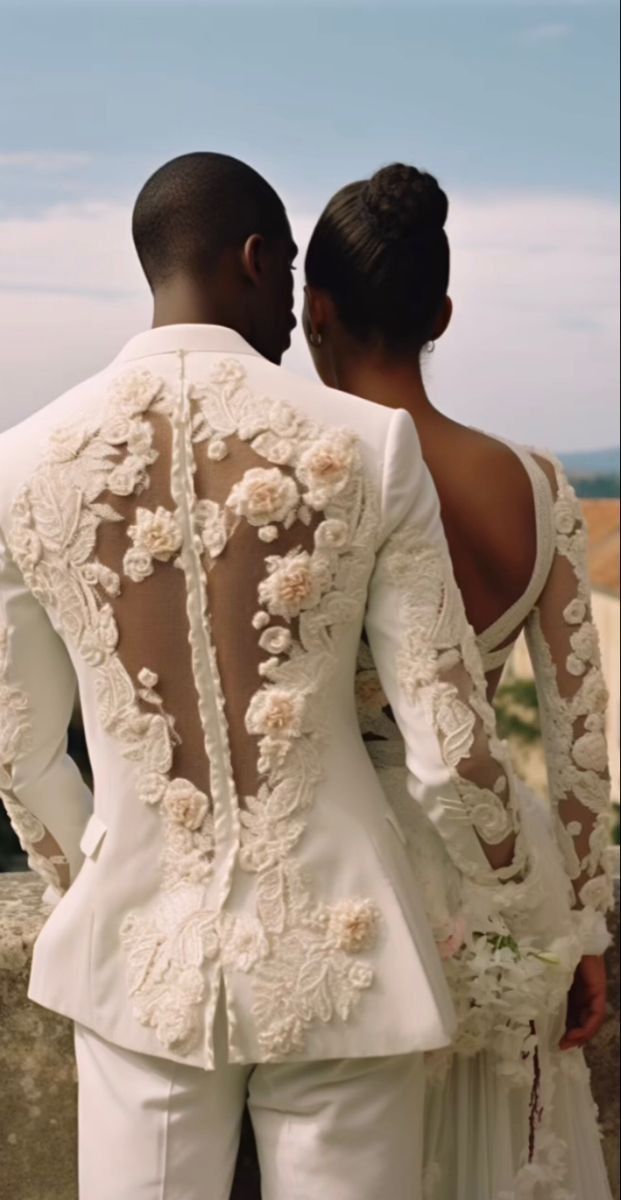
(196, 538)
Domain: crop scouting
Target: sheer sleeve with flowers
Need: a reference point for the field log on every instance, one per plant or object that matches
(564, 649)
(431, 671)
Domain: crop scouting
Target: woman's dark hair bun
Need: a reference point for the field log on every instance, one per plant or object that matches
(380, 251)
(402, 202)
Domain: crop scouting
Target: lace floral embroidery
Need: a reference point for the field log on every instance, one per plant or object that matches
(13, 719)
(305, 957)
(503, 976)
(264, 497)
(212, 527)
(310, 968)
(155, 535)
(14, 739)
(294, 583)
(56, 518)
(435, 645)
(574, 719)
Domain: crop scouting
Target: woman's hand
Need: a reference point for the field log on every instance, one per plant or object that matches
(586, 1008)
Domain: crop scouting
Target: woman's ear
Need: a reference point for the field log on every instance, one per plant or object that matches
(444, 319)
(314, 316)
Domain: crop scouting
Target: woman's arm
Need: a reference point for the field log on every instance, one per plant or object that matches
(564, 649)
(431, 672)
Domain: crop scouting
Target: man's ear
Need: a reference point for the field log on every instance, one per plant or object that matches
(444, 319)
(252, 257)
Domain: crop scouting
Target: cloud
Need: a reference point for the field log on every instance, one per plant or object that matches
(43, 160)
(72, 246)
(551, 31)
(531, 352)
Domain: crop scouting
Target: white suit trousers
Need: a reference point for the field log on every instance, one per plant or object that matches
(152, 1129)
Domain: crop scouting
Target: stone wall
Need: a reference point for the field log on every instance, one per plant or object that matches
(37, 1078)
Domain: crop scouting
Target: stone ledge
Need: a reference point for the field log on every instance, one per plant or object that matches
(38, 1096)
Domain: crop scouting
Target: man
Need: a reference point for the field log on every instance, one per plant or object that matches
(196, 537)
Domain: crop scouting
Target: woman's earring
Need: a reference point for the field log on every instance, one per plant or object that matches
(430, 347)
(316, 339)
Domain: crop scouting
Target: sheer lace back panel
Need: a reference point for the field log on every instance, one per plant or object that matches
(189, 528)
(140, 545)
(243, 485)
(143, 542)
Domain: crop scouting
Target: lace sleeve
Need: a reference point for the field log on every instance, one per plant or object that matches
(41, 788)
(564, 649)
(431, 671)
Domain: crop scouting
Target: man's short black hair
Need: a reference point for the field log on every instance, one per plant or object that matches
(195, 207)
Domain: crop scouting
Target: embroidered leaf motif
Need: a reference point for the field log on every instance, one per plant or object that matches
(57, 515)
(312, 974)
(271, 899)
(105, 512)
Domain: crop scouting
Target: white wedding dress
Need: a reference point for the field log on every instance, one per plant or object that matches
(508, 1115)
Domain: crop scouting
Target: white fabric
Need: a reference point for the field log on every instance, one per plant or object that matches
(152, 1129)
(477, 1113)
(555, 612)
(195, 537)
(508, 1116)
(475, 1145)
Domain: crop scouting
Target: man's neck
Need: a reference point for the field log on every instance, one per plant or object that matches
(168, 311)
(179, 302)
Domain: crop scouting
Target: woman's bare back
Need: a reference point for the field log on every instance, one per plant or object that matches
(488, 512)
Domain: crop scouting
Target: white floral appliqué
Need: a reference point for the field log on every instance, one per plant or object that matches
(264, 497)
(155, 535)
(294, 583)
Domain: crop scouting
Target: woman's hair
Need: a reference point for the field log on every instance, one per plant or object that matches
(380, 251)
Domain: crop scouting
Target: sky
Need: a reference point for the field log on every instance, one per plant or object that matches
(512, 104)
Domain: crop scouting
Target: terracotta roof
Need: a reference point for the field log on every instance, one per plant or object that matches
(602, 517)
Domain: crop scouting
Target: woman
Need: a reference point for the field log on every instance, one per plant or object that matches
(509, 1115)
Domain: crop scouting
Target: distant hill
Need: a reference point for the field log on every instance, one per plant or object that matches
(594, 473)
(592, 462)
(596, 487)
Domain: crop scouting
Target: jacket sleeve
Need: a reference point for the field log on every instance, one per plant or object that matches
(430, 668)
(564, 649)
(45, 797)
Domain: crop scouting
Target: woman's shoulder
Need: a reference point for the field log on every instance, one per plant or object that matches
(496, 475)
(521, 460)
(488, 510)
